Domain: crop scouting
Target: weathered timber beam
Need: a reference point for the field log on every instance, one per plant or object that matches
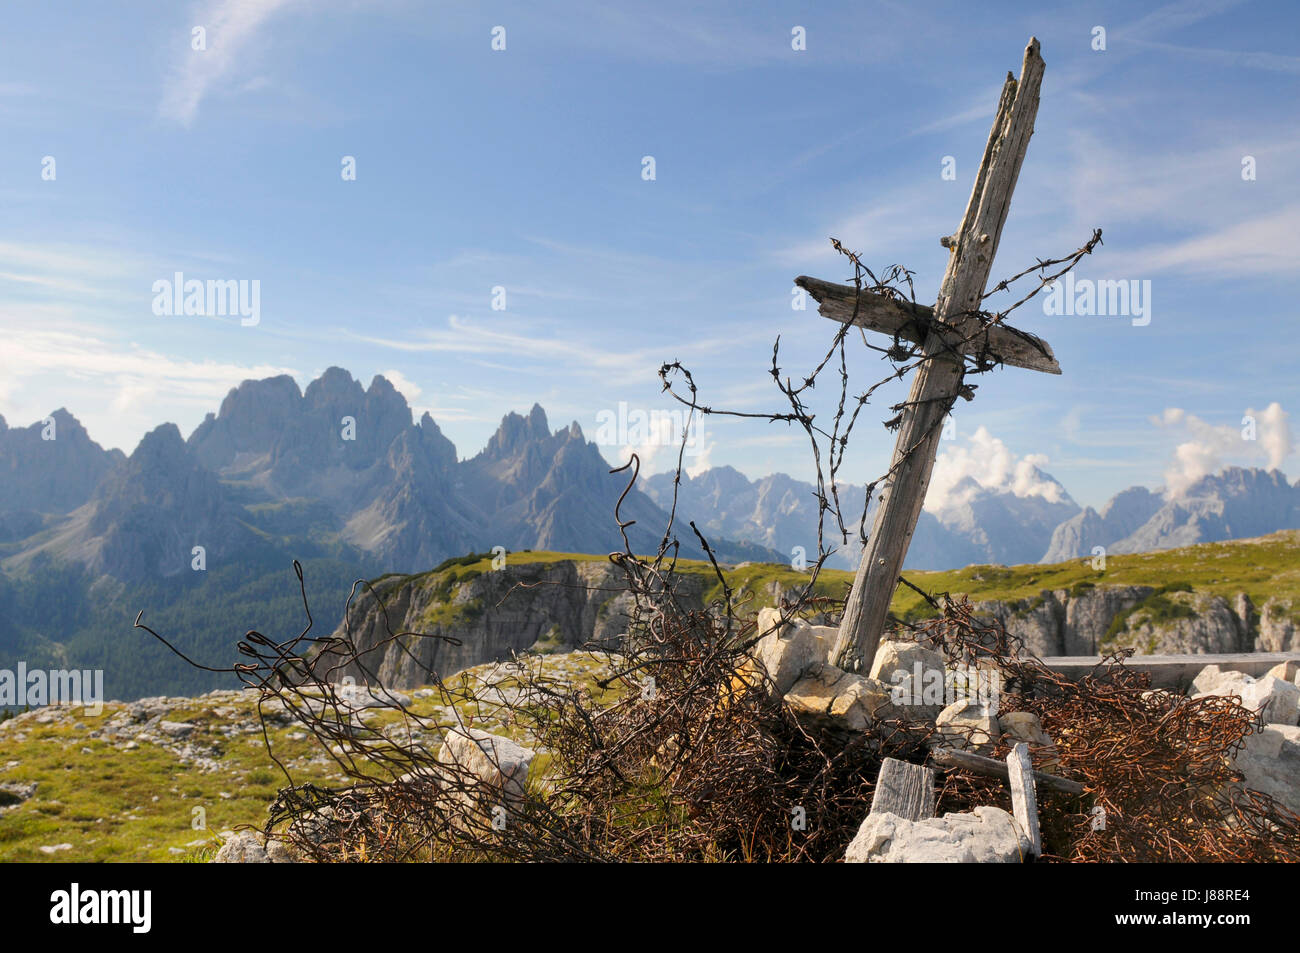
(937, 383)
(993, 768)
(999, 342)
(1173, 672)
(1024, 796)
(904, 790)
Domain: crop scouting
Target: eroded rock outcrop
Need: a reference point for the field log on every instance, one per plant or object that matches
(490, 614)
(1089, 619)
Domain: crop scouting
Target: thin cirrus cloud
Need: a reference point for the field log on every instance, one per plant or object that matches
(231, 30)
(466, 337)
(1259, 246)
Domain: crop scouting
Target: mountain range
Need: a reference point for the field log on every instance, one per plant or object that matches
(346, 471)
(200, 532)
(980, 524)
(336, 468)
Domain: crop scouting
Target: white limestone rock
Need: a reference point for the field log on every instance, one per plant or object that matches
(915, 675)
(789, 652)
(1287, 671)
(1279, 701)
(968, 726)
(835, 698)
(1025, 726)
(1270, 762)
(499, 764)
(242, 847)
(988, 835)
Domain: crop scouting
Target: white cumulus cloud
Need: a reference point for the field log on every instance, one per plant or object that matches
(1261, 437)
(992, 465)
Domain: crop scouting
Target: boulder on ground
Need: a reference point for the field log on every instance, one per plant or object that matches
(988, 835)
(15, 792)
(967, 725)
(175, 729)
(1287, 671)
(243, 847)
(496, 763)
(1270, 762)
(916, 677)
(834, 698)
(250, 847)
(1277, 701)
(788, 652)
(1025, 726)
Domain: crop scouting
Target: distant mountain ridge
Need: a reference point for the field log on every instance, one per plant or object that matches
(980, 524)
(345, 470)
(1236, 503)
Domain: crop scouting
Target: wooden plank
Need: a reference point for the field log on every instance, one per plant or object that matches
(937, 383)
(1024, 796)
(904, 790)
(993, 768)
(999, 342)
(1173, 672)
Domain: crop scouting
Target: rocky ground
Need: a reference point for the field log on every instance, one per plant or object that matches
(167, 779)
(795, 657)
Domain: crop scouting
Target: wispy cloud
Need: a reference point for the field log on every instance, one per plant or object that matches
(1174, 16)
(231, 31)
(882, 229)
(463, 336)
(1239, 59)
(1260, 246)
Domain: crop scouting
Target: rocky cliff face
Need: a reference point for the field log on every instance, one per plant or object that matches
(1277, 627)
(1094, 619)
(545, 605)
(562, 604)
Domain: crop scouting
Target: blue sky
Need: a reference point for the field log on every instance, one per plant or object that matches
(522, 168)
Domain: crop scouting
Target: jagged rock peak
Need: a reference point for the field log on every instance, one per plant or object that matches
(333, 386)
(165, 438)
(279, 390)
(516, 432)
(537, 421)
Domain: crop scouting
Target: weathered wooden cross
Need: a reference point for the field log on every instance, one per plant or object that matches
(946, 333)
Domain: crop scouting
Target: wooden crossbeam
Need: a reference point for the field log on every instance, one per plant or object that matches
(999, 342)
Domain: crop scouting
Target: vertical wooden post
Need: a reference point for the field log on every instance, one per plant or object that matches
(1024, 795)
(938, 380)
